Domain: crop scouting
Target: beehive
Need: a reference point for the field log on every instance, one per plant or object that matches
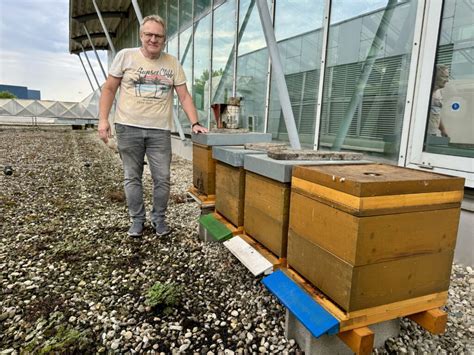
(204, 166)
(204, 169)
(267, 211)
(230, 180)
(230, 192)
(369, 235)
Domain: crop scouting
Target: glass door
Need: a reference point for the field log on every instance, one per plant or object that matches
(443, 134)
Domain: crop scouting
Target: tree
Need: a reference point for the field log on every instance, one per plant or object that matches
(7, 95)
(201, 82)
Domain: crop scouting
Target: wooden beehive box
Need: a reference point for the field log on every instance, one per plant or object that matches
(369, 235)
(204, 169)
(204, 166)
(267, 211)
(230, 192)
(230, 180)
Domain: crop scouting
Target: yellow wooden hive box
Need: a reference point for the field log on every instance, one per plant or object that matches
(230, 192)
(369, 235)
(266, 212)
(204, 169)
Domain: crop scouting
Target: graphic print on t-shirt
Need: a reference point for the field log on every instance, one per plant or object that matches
(153, 84)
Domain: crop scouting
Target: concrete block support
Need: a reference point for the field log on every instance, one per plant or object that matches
(331, 344)
(204, 234)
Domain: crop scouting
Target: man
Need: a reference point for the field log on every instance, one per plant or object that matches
(143, 119)
(435, 124)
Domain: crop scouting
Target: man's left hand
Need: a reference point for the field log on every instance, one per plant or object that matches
(199, 129)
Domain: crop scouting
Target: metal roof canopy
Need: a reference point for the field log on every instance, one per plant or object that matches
(83, 12)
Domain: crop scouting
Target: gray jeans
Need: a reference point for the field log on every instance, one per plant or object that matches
(133, 144)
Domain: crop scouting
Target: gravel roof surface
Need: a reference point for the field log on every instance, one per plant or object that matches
(71, 281)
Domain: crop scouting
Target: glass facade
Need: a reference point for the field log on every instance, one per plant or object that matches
(186, 60)
(202, 62)
(300, 51)
(450, 123)
(366, 77)
(223, 52)
(252, 66)
(350, 77)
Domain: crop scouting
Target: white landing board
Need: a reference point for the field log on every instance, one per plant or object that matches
(248, 256)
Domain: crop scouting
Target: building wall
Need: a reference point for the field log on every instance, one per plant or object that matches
(34, 94)
(361, 104)
(21, 92)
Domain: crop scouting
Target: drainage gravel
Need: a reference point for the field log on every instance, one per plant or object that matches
(72, 281)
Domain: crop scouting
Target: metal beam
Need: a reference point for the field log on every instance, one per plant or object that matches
(278, 73)
(104, 27)
(93, 47)
(138, 12)
(236, 48)
(105, 14)
(89, 48)
(322, 73)
(92, 70)
(209, 91)
(93, 35)
(268, 85)
(85, 71)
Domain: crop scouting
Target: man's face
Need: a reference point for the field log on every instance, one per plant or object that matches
(153, 38)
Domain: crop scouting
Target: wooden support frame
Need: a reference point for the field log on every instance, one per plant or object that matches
(433, 320)
(360, 340)
(235, 230)
(204, 201)
(365, 317)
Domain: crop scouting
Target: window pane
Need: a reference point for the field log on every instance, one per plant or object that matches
(368, 62)
(300, 51)
(173, 46)
(172, 17)
(161, 10)
(202, 44)
(200, 7)
(185, 13)
(252, 66)
(450, 127)
(223, 54)
(186, 60)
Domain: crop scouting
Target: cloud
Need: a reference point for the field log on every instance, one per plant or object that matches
(34, 47)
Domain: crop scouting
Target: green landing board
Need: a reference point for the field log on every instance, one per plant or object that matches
(215, 228)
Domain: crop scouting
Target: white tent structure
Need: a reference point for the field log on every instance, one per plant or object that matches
(45, 111)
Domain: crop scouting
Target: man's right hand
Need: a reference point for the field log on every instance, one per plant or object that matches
(104, 130)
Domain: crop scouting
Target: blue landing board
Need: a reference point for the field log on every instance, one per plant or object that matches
(310, 313)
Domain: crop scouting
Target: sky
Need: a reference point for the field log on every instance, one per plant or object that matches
(34, 50)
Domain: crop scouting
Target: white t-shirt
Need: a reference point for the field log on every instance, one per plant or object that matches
(146, 91)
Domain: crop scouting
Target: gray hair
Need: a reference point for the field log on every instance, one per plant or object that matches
(154, 18)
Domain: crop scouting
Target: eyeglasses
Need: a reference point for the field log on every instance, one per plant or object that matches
(149, 35)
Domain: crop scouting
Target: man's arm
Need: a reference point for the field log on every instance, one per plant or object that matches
(109, 89)
(442, 129)
(189, 108)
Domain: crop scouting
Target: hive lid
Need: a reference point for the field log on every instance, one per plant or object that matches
(377, 179)
(232, 155)
(230, 138)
